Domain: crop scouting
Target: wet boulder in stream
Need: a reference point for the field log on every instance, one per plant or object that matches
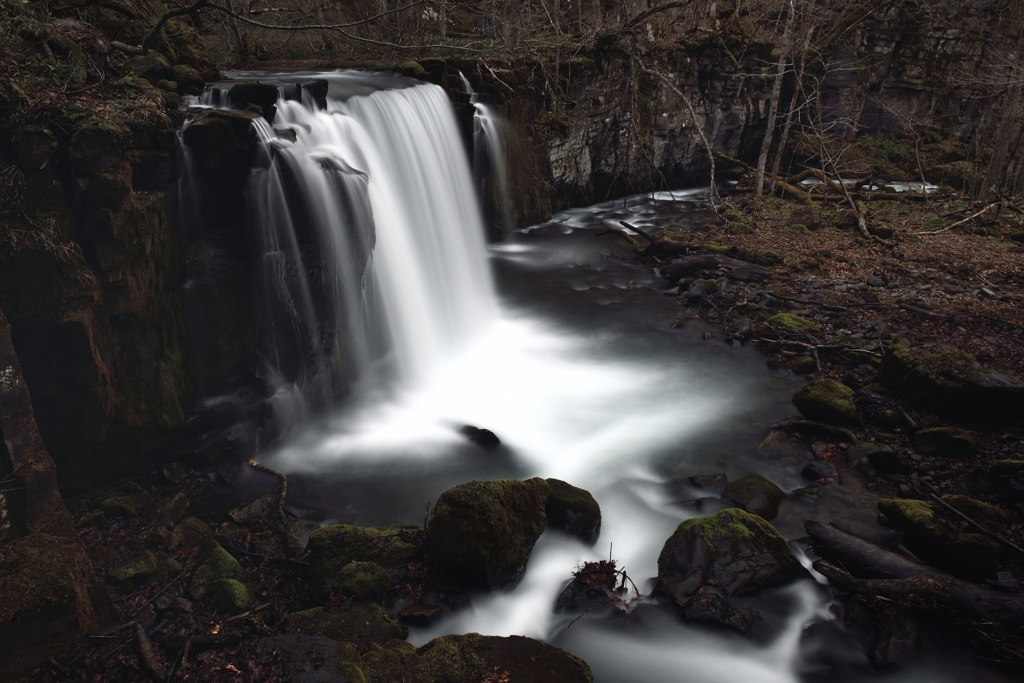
(708, 561)
(827, 401)
(483, 532)
(573, 510)
(756, 495)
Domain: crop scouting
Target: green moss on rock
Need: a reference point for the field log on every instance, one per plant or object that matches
(952, 384)
(978, 510)
(227, 596)
(791, 321)
(826, 401)
(334, 547)
(141, 567)
(969, 555)
(573, 510)
(361, 625)
(483, 532)
(363, 581)
(756, 495)
(709, 560)
(472, 658)
(945, 441)
(219, 565)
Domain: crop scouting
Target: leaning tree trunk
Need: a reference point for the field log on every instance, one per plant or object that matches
(773, 107)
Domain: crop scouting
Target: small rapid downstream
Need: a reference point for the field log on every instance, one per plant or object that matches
(554, 340)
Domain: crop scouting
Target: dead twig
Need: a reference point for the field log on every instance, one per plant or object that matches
(974, 524)
(960, 222)
(284, 487)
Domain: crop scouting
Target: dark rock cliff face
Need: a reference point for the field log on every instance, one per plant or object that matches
(88, 273)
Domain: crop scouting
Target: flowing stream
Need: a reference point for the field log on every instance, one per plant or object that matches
(554, 340)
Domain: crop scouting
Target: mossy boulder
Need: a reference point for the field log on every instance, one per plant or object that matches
(363, 581)
(131, 505)
(483, 532)
(220, 564)
(333, 547)
(227, 596)
(472, 658)
(945, 441)
(301, 658)
(49, 599)
(97, 145)
(827, 401)
(978, 510)
(709, 560)
(756, 495)
(186, 77)
(189, 533)
(971, 556)
(361, 625)
(953, 384)
(573, 510)
(791, 321)
(141, 567)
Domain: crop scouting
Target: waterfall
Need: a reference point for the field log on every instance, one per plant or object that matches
(369, 239)
(488, 158)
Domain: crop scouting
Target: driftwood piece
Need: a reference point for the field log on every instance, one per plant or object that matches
(793, 191)
(284, 487)
(148, 660)
(691, 265)
(812, 427)
(871, 569)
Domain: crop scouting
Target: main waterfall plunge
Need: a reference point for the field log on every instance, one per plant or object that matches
(370, 242)
(376, 279)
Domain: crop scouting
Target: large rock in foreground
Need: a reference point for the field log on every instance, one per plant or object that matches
(472, 658)
(573, 510)
(483, 532)
(952, 384)
(709, 560)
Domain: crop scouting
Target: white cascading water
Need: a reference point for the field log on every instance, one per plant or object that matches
(601, 408)
(371, 242)
(488, 157)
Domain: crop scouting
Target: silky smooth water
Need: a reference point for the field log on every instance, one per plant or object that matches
(571, 353)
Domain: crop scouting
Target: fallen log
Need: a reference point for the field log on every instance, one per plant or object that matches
(785, 188)
(873, 570)
(691, 265)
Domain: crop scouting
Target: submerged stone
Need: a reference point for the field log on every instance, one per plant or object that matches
(483, 532)
(573, 510)
(756, 495)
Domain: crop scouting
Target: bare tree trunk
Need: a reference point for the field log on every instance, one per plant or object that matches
(773, 107)
(696, 124)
